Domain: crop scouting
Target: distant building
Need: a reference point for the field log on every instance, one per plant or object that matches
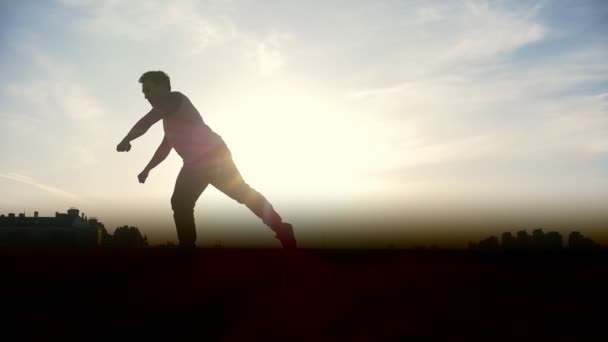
(64, 230)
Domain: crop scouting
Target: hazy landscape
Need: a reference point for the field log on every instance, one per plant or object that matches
(441, 165)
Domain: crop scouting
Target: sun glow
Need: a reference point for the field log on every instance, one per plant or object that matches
(300, 142)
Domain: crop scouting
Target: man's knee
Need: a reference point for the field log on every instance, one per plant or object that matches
(179, 204)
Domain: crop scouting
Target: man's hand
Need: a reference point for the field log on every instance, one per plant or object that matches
(142, 176)
(124, 146)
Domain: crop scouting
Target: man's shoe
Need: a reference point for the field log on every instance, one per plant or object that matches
(284, 233)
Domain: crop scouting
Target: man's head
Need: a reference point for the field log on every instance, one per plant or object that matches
(155, 85)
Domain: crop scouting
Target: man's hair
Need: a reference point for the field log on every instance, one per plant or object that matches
(156, 77)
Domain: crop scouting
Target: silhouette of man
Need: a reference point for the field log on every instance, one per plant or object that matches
(207, 160)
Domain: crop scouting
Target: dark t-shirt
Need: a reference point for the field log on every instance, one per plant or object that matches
(188, 134)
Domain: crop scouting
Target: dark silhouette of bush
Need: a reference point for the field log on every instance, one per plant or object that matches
(538, 241)
(126, 236)
(577, 242)
(508, 241)
(487, 244)
(548, 241)
(522, 241)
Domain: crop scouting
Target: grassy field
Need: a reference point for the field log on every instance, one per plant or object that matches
(240, 294)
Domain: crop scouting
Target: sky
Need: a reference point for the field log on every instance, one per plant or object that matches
(363, 122)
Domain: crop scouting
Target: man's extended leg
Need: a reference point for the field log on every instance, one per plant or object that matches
(189, 185)
(227, 178)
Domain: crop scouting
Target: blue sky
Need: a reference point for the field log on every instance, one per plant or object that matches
(401, 111)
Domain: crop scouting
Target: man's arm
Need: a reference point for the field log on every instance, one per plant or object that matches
(139, 129)
(161, 154)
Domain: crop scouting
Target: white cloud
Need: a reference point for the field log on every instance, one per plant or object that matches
(145, 21)
(480, 30)
(57, 95)
(578, 126)
(83, 2)
(507, 112)
(30, 181)
(427, 15)
(55, 91)
(193, 26)
(268, 53)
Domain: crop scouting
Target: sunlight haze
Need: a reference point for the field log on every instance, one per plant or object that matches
(376, 120)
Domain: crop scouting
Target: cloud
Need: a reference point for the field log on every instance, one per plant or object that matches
(409, 42)
(268, 53)
(485, 30)
(541, 112)
(30, 181)
(57, 95)
(189, 27)
(427, 15)
(403, 86)
(54, 90)
(146, 21)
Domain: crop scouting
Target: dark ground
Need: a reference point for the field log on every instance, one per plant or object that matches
(311, 295)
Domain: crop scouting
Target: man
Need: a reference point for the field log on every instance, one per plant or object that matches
(207, 160)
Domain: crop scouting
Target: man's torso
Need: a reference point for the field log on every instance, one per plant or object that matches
(187, 133)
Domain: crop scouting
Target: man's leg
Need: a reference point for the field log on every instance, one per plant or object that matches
(189, 185)
(227, 178)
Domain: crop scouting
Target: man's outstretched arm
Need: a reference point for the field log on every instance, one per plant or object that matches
(139, 129)
(161, 154)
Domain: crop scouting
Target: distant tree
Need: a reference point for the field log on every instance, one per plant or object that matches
(545, 241)
(537, 237)
(508, 241)
(578, 242)
(522, 241)
(553, 241)
(490, 243)
(126, 236)
(487, 244)
(537, 241)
